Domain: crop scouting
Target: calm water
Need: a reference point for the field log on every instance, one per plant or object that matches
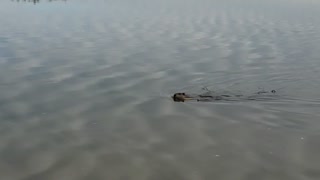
(85, 90)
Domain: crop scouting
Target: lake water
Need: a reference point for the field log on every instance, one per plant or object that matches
(86, 85)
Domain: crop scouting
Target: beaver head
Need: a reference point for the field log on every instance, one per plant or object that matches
(180, 97)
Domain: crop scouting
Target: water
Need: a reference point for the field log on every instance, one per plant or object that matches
(86, 85)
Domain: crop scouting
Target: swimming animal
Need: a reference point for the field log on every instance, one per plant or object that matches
(182, 97)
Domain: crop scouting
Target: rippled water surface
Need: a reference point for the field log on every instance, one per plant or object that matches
(86, 85)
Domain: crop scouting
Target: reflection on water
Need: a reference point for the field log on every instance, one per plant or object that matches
(35, 1)
(85, 90)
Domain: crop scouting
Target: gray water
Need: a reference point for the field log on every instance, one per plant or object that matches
(85, 90)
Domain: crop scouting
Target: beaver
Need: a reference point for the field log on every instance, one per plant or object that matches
(182, 97)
